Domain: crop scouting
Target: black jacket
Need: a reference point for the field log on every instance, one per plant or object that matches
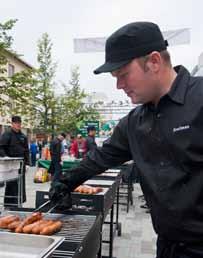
(90, 143)
(166, 144)
(14, 144)
(55, 149)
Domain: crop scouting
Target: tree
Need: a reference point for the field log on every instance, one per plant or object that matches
(71, 108)
(45, 101)
(15, 91)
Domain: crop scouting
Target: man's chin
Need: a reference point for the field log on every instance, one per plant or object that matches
(136, 101)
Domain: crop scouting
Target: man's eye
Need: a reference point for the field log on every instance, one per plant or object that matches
(124, 75)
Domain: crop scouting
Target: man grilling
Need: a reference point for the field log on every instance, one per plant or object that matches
(162, 136)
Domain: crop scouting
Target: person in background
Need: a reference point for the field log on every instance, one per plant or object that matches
(33, 152)
(73, 147)
(68, 141)
(39, 145)
(78, 147)
(162, 136)
(56, 152)
(14, 143)
(90, 140)
(82, 150)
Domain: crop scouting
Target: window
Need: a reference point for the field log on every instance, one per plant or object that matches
(11, 70)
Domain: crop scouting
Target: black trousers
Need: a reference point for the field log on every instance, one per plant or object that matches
(33, 159)
(55, 169)
(12, 190)
(170, 249)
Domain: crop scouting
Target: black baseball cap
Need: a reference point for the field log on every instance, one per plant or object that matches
(16, 119)
(91, 128)
(131, 41)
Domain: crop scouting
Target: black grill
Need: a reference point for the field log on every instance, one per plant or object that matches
(82, 237)
(100, 202)
(82, 234)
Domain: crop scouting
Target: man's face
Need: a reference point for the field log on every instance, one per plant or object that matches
(138, 82)
(92, 132)
(16, 126)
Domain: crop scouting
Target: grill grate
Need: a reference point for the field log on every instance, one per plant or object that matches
(61, 254)
(75, 228)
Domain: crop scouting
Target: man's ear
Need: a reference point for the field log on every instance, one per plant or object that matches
(154, 61)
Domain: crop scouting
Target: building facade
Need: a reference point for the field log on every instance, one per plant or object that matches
(15, 64)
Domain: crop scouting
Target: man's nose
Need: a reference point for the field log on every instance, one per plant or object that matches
(120, 84)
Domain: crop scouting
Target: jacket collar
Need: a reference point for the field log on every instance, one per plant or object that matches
(179, 87)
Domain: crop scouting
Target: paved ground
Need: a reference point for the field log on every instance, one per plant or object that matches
(138, 238)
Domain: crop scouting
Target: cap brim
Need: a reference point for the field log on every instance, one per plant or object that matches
(110, 67)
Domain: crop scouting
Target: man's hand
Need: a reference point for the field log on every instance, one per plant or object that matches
(58, 191)
(65, 202)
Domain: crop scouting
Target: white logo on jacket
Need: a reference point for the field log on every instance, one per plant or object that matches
(181, 128)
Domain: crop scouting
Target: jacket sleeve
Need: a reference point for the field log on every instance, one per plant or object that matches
(4, 142)
(115, 151)
(26, 152)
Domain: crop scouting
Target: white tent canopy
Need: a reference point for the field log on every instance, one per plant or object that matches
(86, 45)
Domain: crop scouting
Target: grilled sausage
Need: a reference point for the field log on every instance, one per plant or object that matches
(12, 226)
(19, 228)
(28, 228)
(94, 190)
(53, 228)
(90, 190)
(78, 189)
(6, 217)
(98, 189)
(87, 189)
(5, 221)
(36, 229)
(33, 217)
(29, 220)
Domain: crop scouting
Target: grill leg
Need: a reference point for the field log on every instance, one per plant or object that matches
(117, 207)
(99, 255)
(118, 225)
(111, 233)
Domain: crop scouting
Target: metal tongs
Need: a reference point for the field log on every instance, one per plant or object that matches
(44, 205)
(64, 202)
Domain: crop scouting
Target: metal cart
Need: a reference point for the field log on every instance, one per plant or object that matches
(11, 168)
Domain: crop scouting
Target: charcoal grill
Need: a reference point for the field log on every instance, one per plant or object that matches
(102, 202)
(81, 233)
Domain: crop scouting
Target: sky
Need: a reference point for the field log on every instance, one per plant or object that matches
(65, 20)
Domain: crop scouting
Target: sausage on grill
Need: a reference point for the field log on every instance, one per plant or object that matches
(33, 217)
(29, 220)
(5, 221)
(28, 228)
(98, 189)
(12, 226)
(36, 229)
(53, 228)
(86, 189)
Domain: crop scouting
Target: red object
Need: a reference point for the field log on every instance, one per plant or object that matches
(74, 148)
